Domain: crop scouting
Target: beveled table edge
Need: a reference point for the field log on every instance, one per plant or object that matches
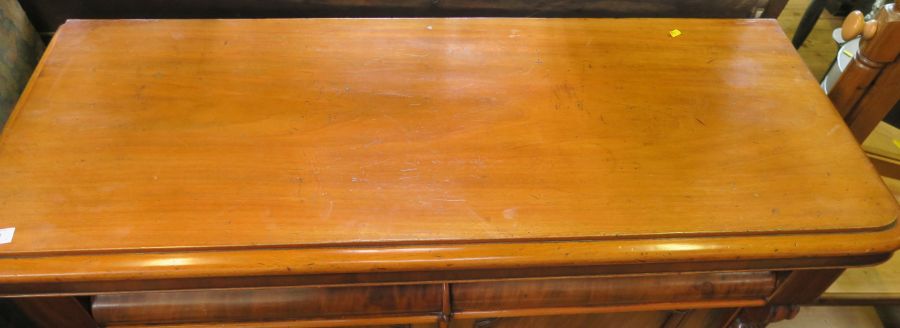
(353, 265)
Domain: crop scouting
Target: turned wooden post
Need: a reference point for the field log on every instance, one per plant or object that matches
(868, 88)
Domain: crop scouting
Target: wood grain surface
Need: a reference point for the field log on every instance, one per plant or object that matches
(154, 150)
(249, 133)
(269, 304)
(630, 319)
(585, 292)
(370, 322)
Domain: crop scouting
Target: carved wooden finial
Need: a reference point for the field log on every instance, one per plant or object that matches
(855, 24)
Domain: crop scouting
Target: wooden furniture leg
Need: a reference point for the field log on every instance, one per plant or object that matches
(795, 287)
(807, 22)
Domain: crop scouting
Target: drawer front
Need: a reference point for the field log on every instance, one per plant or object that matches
(663, 319)
(629, 319)
(611, 291)
(266, 304)
(429, 303)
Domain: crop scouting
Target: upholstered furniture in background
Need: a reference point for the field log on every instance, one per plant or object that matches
(20, 48)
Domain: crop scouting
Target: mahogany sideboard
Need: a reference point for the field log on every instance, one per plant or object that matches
(429, 173)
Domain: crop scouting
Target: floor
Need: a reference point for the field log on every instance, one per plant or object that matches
(833, 317)
(819, 49)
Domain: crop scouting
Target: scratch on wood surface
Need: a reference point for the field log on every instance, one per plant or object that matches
(330, 209)
(510, 213)
(472, 211)
(394, 94)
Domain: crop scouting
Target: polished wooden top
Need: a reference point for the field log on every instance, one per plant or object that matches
(249, 134)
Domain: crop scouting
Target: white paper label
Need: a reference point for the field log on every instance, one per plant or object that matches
(6, 235)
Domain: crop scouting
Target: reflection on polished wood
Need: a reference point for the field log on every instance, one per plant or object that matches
(396, 163)
(175, 127)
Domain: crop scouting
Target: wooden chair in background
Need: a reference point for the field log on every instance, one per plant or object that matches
(870, 86)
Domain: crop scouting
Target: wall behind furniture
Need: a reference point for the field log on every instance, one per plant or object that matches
(47, 15)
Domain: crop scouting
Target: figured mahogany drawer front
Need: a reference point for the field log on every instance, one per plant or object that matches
(292, 303)
(609, 291)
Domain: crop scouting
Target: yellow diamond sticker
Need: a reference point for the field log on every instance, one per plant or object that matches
(674, 33)
(896, 142)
